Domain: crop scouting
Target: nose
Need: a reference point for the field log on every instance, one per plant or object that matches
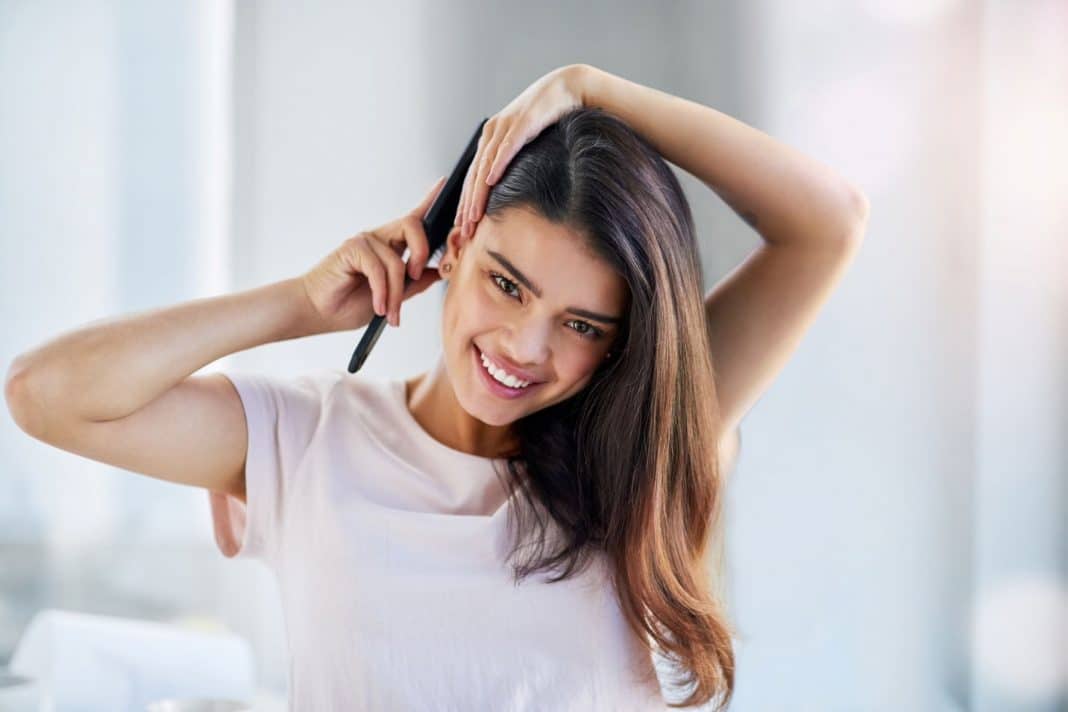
(529, 345)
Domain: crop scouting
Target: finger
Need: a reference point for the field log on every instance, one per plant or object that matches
(464, 195)
(366, 261)
(491, 157)
(477, 184)
(426, 279)
(505, 152)
(418, 245)
(481, 189)
(394, 269)
(459, 206)
(407, 238)
(471, 182)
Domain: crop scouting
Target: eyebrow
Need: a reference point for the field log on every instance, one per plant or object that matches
(522, 278)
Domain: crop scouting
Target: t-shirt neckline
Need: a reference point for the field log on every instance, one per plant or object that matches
(426, 441)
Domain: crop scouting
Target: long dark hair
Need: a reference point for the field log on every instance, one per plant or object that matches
(629, 466)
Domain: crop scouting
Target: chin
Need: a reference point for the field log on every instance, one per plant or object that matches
(489, 416)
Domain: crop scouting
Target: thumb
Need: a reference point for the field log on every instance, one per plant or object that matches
(424, 206)
(427, 278)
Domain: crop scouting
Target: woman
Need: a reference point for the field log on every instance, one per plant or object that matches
(585, 392)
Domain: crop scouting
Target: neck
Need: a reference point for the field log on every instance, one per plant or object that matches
(431, 399)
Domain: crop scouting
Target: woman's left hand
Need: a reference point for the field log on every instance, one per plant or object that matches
(514, 126)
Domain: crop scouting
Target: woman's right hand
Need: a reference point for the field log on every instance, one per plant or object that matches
(365, 275)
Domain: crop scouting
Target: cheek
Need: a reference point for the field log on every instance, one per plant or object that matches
(482, 307)
(470, 309)
(575, 365)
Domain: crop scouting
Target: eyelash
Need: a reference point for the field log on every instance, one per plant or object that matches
(593, 333)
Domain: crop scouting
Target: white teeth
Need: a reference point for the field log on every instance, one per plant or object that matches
(501, 375)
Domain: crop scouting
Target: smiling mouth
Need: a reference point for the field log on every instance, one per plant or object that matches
(495, 385)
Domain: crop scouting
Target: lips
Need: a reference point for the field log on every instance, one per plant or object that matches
(509, 368)
(495, 386)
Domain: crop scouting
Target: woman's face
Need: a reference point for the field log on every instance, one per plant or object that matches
(528, 295)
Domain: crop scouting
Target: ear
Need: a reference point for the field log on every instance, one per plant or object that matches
(455, 243)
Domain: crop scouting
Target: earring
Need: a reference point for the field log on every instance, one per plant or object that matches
(447, 267)
(608, 355)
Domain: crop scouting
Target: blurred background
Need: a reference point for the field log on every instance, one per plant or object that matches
(896, 536)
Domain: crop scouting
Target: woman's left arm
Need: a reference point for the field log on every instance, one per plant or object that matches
(787, 197)
(811, 220)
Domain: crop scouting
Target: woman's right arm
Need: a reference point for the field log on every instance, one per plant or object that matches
(111, 368)
(120, 390)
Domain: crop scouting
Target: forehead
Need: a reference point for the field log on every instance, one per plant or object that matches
(555, 258)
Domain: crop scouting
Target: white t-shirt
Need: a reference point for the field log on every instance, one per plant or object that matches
(389, 550)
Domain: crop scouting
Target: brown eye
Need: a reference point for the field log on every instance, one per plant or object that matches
(497, 279)
(587, 330)
(590, 332)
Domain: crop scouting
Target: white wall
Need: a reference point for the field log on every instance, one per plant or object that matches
(1019, 571)
(851, 516)
(896, 523)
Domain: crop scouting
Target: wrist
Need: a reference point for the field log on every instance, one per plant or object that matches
(589, 84)
(579, 77)
(304, 318)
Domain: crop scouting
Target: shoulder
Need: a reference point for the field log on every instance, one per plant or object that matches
(278, 397)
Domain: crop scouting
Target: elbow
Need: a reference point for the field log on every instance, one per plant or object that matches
(852, 225)
(859, 210)
(729, 445)
(19, 398)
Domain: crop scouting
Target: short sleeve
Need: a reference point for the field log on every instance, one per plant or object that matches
(281, 416)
